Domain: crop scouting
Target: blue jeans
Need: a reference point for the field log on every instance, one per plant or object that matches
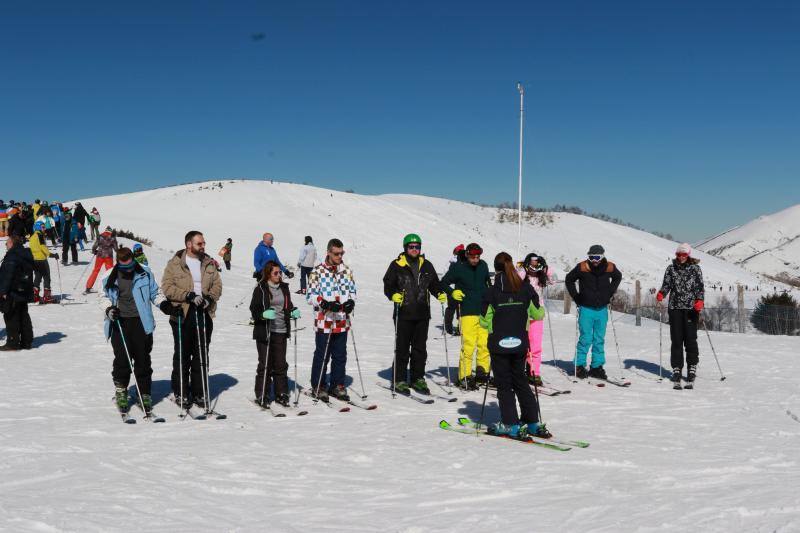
(337, 354)
(592, 324)
(304, 272)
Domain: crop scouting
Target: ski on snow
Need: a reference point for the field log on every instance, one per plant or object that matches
(444, 424)
(317, 401)
(467, 422)
(421, 399)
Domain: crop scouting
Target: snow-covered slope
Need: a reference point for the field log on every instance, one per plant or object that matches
(768, 245)
(372, 228)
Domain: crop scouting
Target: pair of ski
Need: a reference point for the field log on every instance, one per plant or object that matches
(470, 427)
(125, 415)
(205, 415)
(425, 399)
(597, 382)
(279, 411)
(343, 406)
(688, 386)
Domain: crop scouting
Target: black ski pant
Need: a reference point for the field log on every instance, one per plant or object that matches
(42, 271)
(511, 381)
(411, 341)
(188, 348)
(227, 265)
(19, 330)
(72, 247)
(51, 233)
(304, 272)
(138, 345)
(272, 354)
(451, 311)
(683, 333)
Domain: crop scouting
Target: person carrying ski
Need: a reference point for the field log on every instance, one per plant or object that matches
(266, 252)
(16, 292)
(272, 311)
(129, 291)
(193, 287)
(41, 253)
(507, 307)
(683, 283)
(332, 292)
(103, 249)
(407, 282)
(138, 254)
(534, 270)
(451, 310)
(306, 262)
(597, 279)
(225, 253)
(470, 280)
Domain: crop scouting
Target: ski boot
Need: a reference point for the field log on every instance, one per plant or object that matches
(340, 393)
(512, 431)
(691, 373)
(147, 403)
(200, 402)
(481, 377)
(598, 372)
(322, 394)
(421, 387)
(183, 403)
(581, 372)
(121, 397)
(283, 399)
(262, 402)
(402, 387)
(47, 298)
(676, 375)
(36, 298)
(536, 429)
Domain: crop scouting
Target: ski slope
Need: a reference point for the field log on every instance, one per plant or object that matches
(769, 244)
(720, 458)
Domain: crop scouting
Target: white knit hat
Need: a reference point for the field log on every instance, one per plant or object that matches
(684, 248)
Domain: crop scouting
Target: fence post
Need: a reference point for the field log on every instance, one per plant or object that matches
(638, 303)
(567, 302)
(740, 307)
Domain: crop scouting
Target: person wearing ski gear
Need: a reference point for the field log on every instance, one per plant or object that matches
(69, 239)
(597, 280)
(94, 223)
(507, 307)
(469, 280)
(306, 262)
(534, 270)
(451, 311)
(225, 253)
(47, 224)
(193, 286)
(41, 253)
(129, 292)
(103, 249)
(16, 292)
(18, 223)
(332, 293)
(3, 219)
(683, 283)
(265, 252)
(408, 281)
(138, 254)
(272, 312)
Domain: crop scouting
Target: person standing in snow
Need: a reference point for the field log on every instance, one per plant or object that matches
(265, 252)
(41, 253)
(69, 239)
(138, 254)
(683, 282)
(193, 287)
(103, 249)
(129, 290)
(507, 307)
(470, 280)
(306, 262)
(225, 253)
(272, 312)
(332, 292)
(16, 292)
(534, 270)
(407, 282)
(94, 222)
(597, 280)
(451, 311)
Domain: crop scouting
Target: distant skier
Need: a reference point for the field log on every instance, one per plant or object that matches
(332, 292)
(16, 291)
(103, 249)
(306, 262)
(225, 253)
(534, 270)
(41, 253)
(598, 280)
(407, 282)
(70, 234)
(265, 252)
(470, 279)
(138, 254)
(683, 282)
(506, 309)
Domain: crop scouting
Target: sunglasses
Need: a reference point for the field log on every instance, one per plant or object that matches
(595, 257)
(337, 254)
(414, 246)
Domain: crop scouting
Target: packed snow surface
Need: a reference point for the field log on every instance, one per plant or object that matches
(723, 457)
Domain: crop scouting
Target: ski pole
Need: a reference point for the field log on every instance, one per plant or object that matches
(266, 362)
(60, 287)
(324, 365)
(180, 362)
(130, 363)
(552, 342)
(207, 364)
(358, 365)
(575, 357)
(614, 330)
(296, 391)
(83, 273)
(446, 354)
(394, 359)
(538, 405)
(485, 394)
(200, 354)
(660, 341)
(722, 376)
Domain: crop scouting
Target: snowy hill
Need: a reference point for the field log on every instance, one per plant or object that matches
(720, 458)
(768, 245)
(372, 228)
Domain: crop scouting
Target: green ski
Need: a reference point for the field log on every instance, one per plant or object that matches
(444, 424)
(466, 422)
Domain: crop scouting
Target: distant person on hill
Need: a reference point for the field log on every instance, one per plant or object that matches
(306, 262)
(69, 239)
(138, 254)
(264, 253)
(104, 249)
(597, 280)
(41, 253)
(225, 253)
(94, 222)
(683, 282)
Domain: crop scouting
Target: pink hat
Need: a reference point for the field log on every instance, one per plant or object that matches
(684, 248)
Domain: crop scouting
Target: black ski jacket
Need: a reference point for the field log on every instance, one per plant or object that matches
(597, 284)
(683, 282)
(415, 284)
(16, 274)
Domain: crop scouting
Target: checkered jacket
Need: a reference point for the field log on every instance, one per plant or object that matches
(334, 284)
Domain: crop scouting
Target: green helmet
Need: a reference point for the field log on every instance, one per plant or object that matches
(411, 237)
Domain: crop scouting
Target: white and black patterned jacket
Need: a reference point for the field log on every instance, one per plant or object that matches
(683, 283)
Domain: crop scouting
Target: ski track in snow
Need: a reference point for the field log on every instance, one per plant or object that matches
(723, 457)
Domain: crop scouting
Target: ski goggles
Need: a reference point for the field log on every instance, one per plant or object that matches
(596, 257)
(535, 268)
(414, 246)
(681, 254)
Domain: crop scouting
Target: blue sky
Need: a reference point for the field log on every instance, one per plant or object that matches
(677, 116)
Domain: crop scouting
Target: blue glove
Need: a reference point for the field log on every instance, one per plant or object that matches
(269, 314)
(295, 314)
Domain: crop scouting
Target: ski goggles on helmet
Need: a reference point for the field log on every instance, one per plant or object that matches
(535, 268)
(596, 257)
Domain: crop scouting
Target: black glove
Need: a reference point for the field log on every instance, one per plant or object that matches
(207, 301)
(289, 274)
(256, 274)
(54, 256)
(169, 309)
(348, 306)
(112, 313)
(190, 297)
(333, 307)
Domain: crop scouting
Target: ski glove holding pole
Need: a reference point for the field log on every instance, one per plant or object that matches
(112, 313)
(269, 314)
(294, 314)
(397, 298)
(196, 299)
(442, 297)
(333, 307)
(169, 309)
(348, 306)
(458, 295)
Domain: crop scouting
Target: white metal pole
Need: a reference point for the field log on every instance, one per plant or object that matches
(519, 189)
